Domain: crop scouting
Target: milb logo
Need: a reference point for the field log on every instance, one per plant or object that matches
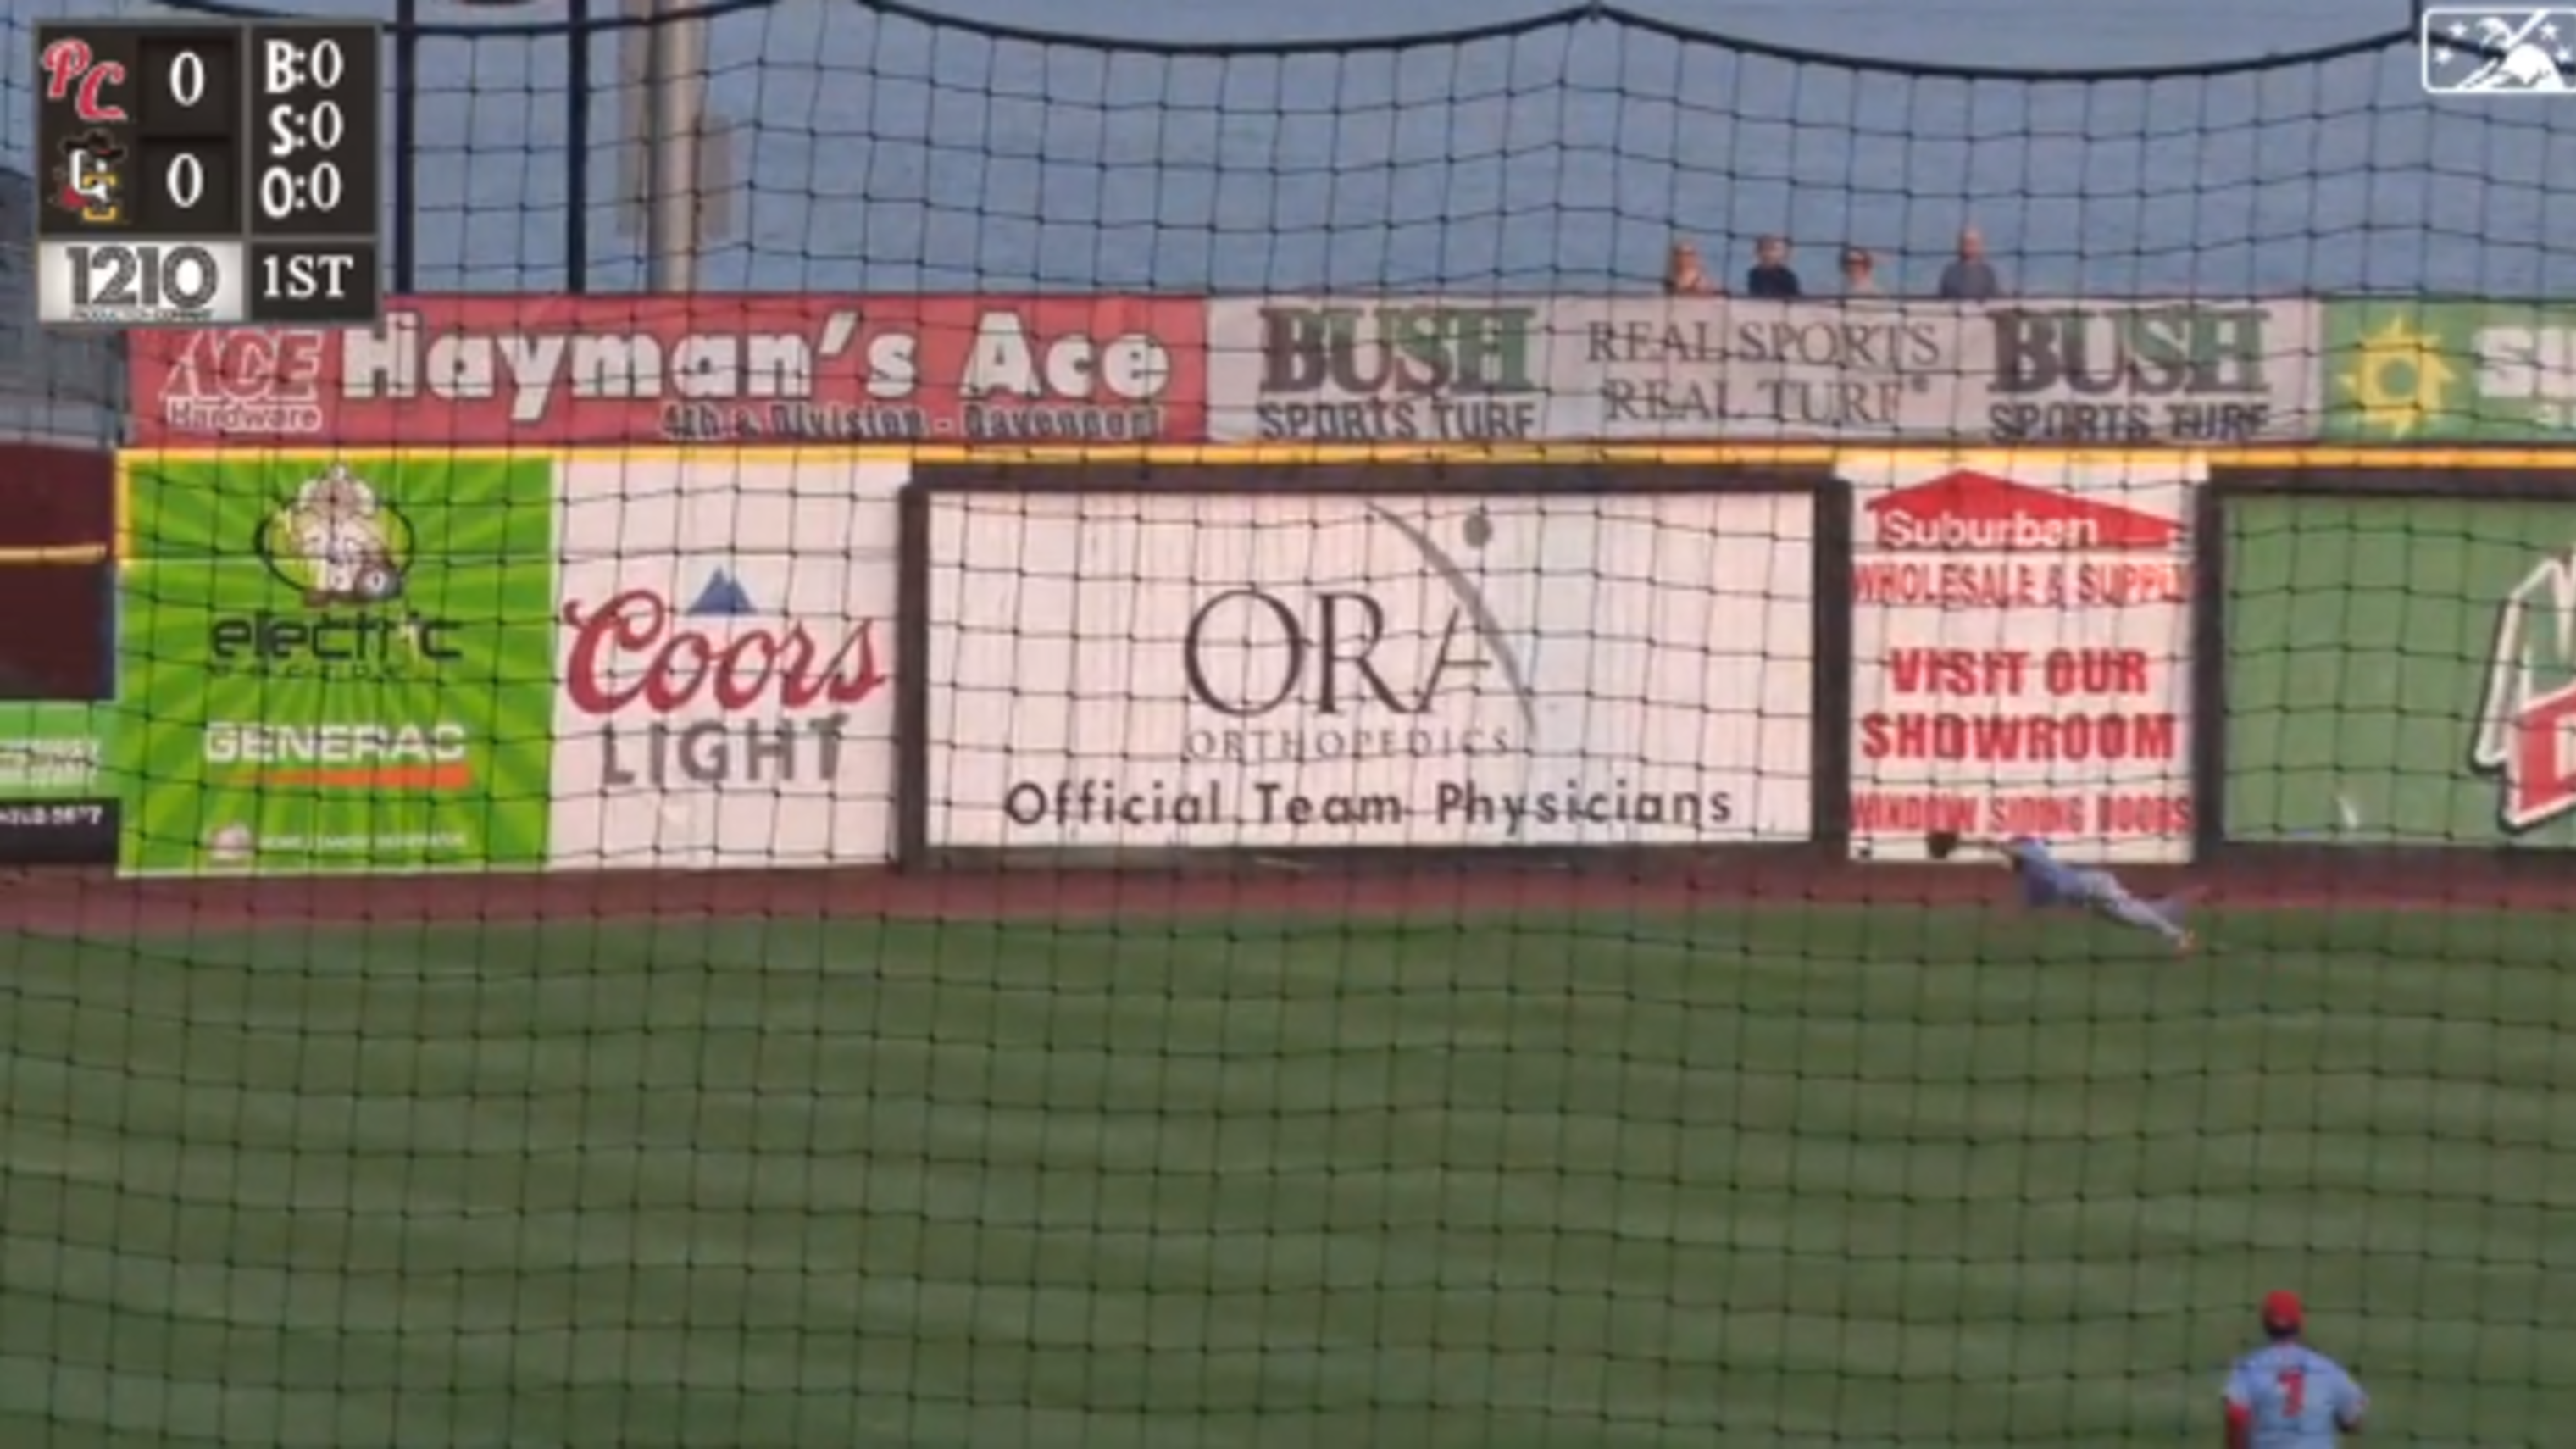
(2477, 50)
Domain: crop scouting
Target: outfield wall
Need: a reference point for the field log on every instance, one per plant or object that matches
(58, 594)
(676, 659)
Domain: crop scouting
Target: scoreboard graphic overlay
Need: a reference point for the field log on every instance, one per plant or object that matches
(208, 175)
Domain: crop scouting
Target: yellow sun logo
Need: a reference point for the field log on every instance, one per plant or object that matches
(2398, 378)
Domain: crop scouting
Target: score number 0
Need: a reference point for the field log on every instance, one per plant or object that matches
(282, 193)
(185, 183)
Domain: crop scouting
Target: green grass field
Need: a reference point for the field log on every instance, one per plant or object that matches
(1768, 1179)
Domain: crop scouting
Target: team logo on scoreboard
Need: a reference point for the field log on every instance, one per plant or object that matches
(2503, 50)
(87, 182)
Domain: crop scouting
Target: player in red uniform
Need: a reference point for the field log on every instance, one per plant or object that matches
(2286, 1395)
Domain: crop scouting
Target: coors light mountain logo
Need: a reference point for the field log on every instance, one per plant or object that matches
(1968, 511)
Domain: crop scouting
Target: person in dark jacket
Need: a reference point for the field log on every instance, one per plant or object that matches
(1971, 278)
(1771, 275)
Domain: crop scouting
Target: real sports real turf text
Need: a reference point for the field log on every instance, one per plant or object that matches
(1274, 802)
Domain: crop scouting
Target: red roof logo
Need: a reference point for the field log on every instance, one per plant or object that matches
(1971, 512)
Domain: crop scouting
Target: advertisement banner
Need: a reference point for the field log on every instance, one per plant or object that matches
(2202, 372)
(337, 663)
(2450, 372)
(58, 806)
(1652, 368)
(726, 650)
(527, 371)
(1201, 671)
(1646, 369)
(57, 660)
(2401, 672)
(1361, 370)
(2021, 644)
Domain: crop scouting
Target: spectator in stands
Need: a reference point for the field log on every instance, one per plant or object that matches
(1971, 278)
(1685, 277)
(1771, 276)
(1860, 272)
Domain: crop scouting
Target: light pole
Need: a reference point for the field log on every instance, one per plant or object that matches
(670, 130)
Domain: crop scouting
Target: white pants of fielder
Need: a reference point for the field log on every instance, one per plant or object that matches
(2105, 896)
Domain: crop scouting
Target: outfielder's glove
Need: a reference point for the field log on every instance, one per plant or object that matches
(1942, 844)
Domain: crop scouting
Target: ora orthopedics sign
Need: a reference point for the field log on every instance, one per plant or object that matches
(1183, 670)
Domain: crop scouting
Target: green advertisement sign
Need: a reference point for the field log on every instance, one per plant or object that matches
(2450, 372)
(337, 665)
(54, 750)
(2401, 671)
(57, 799)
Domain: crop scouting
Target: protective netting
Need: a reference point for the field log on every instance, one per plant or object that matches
(1427, 952)
(874, 148)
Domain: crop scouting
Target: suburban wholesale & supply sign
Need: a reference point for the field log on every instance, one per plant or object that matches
(2021, 654)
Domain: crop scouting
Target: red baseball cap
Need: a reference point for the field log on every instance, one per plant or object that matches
(2281, 1311)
